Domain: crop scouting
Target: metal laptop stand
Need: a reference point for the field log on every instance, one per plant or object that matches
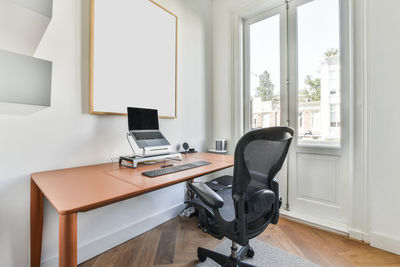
(134, 161)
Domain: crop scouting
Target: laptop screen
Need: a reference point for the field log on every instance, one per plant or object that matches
(142, 119)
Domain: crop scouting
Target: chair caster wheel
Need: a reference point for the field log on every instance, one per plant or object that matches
(202, 258)
(250, 253)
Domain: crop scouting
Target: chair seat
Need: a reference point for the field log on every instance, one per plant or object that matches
(221, 183)
(227, 211)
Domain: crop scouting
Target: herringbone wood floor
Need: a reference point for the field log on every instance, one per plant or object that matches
(175, 242)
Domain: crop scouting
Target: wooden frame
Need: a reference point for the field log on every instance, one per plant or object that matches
(91, 72)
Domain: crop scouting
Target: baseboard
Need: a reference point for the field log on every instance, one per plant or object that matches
(95, 247)
(384, 242)
(316, 222)
(377, 240)
(359, 235)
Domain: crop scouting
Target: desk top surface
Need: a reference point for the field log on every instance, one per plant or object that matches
(89, 187)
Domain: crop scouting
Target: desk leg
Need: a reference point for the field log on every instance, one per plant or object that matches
(67, 240)
(36, 224)
(191, 192)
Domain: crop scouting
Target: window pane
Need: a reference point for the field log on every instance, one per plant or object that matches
(301, 120)
(265, 73)
(319, 72)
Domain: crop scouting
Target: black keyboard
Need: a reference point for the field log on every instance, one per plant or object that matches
(178, 168)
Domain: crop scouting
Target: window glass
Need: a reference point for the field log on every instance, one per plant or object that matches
(265, 73)
(319, 72)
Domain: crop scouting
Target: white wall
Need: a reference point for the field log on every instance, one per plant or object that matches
(383, 57)
(65, 135)
(222, 49)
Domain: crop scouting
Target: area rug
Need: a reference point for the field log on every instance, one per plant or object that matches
(265, 256)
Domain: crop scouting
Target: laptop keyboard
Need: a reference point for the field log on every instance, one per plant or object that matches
(147, 135)
(177, 168)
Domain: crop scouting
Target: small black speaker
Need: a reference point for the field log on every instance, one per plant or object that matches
(185, 146)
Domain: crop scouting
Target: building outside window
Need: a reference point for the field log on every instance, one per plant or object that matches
(335, 115)
(301, 126)
(315, 120)
(265, 120)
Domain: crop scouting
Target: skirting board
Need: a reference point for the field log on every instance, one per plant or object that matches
(316, 222)
(104, 243)
(359, 235)
(384, 242)
(377, 240)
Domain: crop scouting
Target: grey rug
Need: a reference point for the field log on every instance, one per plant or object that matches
(265, 256)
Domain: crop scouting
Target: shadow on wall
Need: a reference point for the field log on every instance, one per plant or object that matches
(14, 221)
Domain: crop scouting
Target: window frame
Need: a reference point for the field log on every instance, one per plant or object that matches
(247, 109)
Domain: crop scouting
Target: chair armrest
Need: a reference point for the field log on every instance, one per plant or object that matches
(278, 201)
(207, 195)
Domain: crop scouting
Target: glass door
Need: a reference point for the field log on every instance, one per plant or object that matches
(297, 73)
(265, 75)
(319, 110)
(264, 70)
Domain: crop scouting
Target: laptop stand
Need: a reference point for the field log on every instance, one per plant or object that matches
(132, 162)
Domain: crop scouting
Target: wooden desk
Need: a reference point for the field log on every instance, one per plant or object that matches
(85, 188)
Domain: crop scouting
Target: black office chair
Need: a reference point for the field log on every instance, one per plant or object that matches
(244, 211)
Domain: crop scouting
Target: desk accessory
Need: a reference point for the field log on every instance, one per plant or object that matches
(132, 162)
(185, 146)
(177, 168)
(220, 144)
(145, 133)
(220, 147)
(187, 149)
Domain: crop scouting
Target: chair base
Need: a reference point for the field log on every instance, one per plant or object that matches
(227, 261)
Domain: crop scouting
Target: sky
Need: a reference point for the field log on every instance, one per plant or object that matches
(318, 31)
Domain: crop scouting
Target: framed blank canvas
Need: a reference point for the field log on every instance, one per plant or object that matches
(133, 57)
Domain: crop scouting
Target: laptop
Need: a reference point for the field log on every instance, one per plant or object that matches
(144, 129)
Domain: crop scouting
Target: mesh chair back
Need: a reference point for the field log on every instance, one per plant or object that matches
(259, 156)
